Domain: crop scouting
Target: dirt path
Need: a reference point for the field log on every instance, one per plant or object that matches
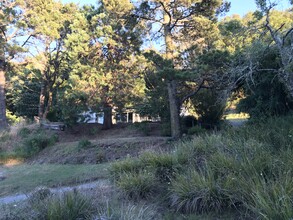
(102, 184)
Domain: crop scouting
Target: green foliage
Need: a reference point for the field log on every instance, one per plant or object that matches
(11, 118)
(71, 206)
(24, 132)
(164, 165)
(247, 170)
(187, 122)
(196, 130)
(265, 95)
(209, 107)
(198, 192)
(23, 96)
(139, 185)
(34, 143)
(84, 143)
(124, 166)
(144, 127)
(166, 129)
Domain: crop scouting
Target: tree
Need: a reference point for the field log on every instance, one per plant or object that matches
(282, 36)
(50, 21)
(11, 26)
(108, 63)
(176, 21)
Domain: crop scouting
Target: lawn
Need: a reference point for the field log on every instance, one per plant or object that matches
(24, 178)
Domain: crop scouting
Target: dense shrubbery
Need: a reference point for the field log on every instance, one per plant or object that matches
(247, 172)
(26, 143)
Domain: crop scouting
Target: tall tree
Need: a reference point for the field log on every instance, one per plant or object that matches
(50, 21)
(12, 26)
(108, 63)
(282, 35)
(177, 21)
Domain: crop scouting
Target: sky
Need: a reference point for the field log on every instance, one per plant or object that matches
(240, 7)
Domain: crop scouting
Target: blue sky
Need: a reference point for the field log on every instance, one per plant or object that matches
(240, 7)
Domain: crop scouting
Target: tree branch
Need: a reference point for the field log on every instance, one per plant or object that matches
(194, 92)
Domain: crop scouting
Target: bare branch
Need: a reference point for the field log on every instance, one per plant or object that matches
(194, 92)
(167, 12)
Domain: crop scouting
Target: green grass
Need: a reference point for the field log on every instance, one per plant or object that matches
(25, 178)
(244, 172)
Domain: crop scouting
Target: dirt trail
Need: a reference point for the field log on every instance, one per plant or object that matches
(102, 184)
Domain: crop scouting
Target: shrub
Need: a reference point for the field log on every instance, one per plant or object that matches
(268, 198)
(198, 192)
(84, 143)
(209, 107)
(196, 130)
(4, 136)
(35, 143)
(187, 122)
(139, 185)
(100, 157)
(124, 166)
(144, 127)
(164, 165)
(70, 206)
(166, 129)
(138, 212)
(24, 132)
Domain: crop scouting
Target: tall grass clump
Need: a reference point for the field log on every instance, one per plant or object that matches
(273, 199)
(139, 185)
(69, 206)
(125, 166)
(198, 192)
(246, 171)
(165, 166)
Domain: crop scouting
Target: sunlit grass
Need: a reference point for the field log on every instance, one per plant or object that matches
(237, 116)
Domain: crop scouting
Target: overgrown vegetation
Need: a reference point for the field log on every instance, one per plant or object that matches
(244, 171)
(25, 143)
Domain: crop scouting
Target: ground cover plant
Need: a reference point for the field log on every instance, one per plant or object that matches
(244, 172)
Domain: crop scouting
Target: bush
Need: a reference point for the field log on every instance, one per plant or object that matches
(23, 132)
(166, 129)
(139, 185)
(84, 143)
(128, 165)
(196, 130)
(164, 165)
(209, 107)
(187, 122)
(271, 199)
(35, 143)
(198, 192)
(247, 171)
(144, 127)
(69, 206)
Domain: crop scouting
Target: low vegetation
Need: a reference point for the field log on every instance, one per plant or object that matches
(235, 173)
(244, 172)
(24, 143)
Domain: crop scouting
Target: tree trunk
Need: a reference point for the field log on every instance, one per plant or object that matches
(42, 101)
(49, 104)
(174, 109)
(171, 84)
(107, 124)
(287, 74)
(3, 119)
